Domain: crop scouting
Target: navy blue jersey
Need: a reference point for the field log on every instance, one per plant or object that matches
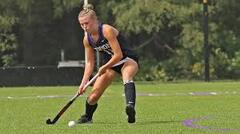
(104, 48)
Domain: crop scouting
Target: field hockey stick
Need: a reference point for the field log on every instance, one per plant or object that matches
(60, 113)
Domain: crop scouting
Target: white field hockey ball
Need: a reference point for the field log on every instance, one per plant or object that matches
(71, 123)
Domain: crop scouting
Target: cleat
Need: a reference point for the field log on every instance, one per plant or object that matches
(84, 120)
(131, 113)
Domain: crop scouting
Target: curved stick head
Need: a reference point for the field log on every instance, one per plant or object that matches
(48, 121)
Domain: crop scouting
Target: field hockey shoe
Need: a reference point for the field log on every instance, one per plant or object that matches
(130, 111)
(84, 119)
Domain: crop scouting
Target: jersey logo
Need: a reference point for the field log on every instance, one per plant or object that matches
(105, 47)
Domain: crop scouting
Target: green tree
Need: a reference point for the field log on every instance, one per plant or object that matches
(177, 26)
(8, 41)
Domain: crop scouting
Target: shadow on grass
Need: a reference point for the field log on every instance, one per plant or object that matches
(151, 122)
(139, 122)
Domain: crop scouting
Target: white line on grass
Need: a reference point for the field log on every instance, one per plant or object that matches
(211, 93)
(36, 97)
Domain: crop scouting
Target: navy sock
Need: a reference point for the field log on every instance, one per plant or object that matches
(130, 93)
(90, 109)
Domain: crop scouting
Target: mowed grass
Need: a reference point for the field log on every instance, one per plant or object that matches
(163, 112)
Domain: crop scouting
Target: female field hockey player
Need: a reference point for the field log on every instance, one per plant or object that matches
(117, 58)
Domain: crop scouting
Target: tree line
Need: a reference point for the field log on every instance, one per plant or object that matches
(167, 34)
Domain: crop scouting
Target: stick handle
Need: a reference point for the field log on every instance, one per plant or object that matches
(89, 83)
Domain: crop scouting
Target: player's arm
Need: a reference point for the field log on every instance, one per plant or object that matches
(89, 62)
(111, 35)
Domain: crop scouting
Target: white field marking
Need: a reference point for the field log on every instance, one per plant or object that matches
(213, 93)
(210, 93)
(9, 97)
(205, 93)
(37, 97)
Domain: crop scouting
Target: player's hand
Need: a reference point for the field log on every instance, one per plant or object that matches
(81, 89)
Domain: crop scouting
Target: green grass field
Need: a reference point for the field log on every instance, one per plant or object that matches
(206, 108)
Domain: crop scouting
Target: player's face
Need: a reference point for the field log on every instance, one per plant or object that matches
(87, 23)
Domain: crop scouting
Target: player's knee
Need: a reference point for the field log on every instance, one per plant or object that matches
(128, 75)
(109, 74)
(93, 98)
(128, 81)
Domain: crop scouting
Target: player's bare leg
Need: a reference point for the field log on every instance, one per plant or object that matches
(99, 87)
(129, 70)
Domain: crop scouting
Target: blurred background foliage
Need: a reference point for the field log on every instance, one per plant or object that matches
(167, 34)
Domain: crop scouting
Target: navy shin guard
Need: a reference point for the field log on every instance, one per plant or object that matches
(90, 109)
(130, 93)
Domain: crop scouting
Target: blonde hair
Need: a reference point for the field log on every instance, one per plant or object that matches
(88, 11)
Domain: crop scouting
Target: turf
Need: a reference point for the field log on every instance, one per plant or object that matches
(25, 109)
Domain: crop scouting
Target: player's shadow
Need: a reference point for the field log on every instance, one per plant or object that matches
(142, 122)
(151, 122)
